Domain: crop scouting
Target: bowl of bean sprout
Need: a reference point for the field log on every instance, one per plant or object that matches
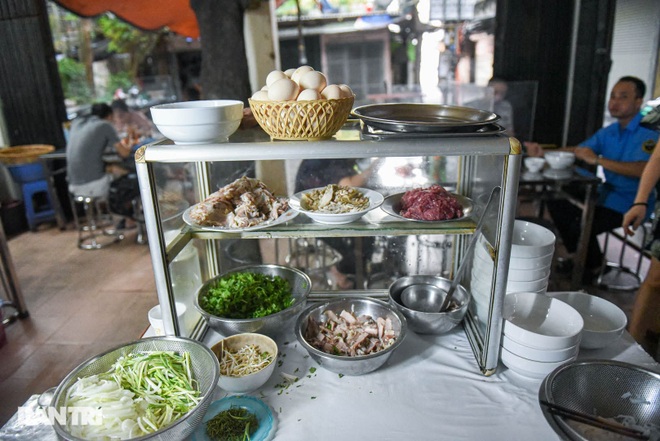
(247, 361)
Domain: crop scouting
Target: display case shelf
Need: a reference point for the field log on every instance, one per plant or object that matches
(482, 163)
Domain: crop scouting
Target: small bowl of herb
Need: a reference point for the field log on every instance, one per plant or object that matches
(237, 417)
(254, 298)
(247, 361)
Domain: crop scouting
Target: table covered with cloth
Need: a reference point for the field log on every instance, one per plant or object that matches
(429, 389)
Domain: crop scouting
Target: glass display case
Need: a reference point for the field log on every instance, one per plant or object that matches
(359, 258)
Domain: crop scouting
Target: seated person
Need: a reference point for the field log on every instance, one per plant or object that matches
(314, 173)
(622, 149)
(90, 137)
(130, 122)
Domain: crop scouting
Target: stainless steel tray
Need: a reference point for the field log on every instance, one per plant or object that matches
(415, 118)
(369, 132)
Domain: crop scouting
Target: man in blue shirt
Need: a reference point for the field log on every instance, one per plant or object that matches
(622, 149)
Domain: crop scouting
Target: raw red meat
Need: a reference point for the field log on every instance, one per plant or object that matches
(430, 204)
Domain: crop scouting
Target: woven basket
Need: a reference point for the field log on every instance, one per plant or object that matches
(301, 120)
(24, 154)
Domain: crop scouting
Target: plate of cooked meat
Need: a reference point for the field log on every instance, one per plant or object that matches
(336, 204)
(432, 204)
(244, 205)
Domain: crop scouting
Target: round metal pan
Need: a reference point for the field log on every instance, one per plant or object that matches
(414, 117)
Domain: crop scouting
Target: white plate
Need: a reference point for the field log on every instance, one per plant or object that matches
(392, 206)
(284, 217)
(375, 200)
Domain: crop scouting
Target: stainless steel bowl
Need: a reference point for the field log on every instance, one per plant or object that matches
(270, 325)
(603, 388)
(430, 322)
(206, 371)
(358, 306)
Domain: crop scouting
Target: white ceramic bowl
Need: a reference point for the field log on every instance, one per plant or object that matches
(544, 355)
(560, 160)
(250, 382)
(530, 368)
(531, 240)
(523, 275)
(527, 286)
(484, 271)
(541, 322)
(522, 263)
(533, 164)
(198, 122)
(604, 322)
(375, 201)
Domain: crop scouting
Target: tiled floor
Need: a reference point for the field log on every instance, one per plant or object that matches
(82, 302)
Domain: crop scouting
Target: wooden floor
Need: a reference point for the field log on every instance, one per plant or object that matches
(83, 302)
(79, 302)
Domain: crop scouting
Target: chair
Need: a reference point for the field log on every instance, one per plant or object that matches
(95, 229)
(620, 277)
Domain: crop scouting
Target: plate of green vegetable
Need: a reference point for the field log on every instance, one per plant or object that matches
(236, 418)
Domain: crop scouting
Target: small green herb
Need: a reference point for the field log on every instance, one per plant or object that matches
(247, 295)
(341, 375)
(312, 370)
(313, 398)
(233, 424)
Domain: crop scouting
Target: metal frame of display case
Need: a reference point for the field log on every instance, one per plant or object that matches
(478, 155)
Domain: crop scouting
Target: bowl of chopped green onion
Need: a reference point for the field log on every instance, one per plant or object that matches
(153, 388)
(247, 361)
(262, 299)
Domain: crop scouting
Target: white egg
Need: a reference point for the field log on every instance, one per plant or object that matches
(299, 72)
(346, 91)
(331, 92)
(309, 95)
(313, 80)
(289, 72)
(283, 90)
(260, 95)
(274, 76)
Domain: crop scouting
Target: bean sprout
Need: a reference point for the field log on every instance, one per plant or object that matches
(245, 361)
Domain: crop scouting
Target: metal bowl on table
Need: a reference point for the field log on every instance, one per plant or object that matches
(205, 371)
(424, 322)
(270, 325)
(344, 364)
(613, 391)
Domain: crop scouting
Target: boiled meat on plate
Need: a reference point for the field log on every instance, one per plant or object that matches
(246, 202)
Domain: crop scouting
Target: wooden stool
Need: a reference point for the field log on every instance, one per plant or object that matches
(96, 230)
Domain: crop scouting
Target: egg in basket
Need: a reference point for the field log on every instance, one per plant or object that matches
(299, 104)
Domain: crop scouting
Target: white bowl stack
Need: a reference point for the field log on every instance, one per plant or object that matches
(540, 333)
(532, 249)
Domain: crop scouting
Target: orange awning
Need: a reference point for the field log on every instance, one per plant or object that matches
(144, 14)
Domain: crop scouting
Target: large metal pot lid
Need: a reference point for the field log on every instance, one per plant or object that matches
(414, 117)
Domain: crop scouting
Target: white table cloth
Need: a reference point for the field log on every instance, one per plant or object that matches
(430, 389)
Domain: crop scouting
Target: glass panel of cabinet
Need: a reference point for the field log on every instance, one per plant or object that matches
(359, 258)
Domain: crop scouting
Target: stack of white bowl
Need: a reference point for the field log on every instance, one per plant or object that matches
(532, 249)
(540, 333)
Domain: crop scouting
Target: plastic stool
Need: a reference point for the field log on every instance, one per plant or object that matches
(37, 213)
(96, 230)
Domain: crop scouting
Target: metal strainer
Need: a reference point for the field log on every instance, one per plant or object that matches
(602, 388)
(205, 367)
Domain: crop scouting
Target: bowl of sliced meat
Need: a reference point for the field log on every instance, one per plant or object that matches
(351, 336)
